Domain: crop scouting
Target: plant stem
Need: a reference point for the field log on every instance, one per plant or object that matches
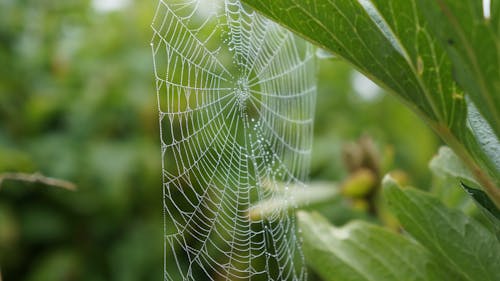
(37, 178)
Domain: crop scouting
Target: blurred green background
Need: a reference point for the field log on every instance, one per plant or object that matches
(77, 102)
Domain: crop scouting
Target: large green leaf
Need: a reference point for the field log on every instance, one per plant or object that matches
(389, 41)
(473, 43)
(364, 252)
(426, 59)
(346, 29)
(459, 241)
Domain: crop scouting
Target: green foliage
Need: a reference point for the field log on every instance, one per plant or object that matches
(441, 58)
(471, 41)
(460, 242)
(447, 165)
(448, 244)
(77, 102)
(445, 243)
(393, 43)
(362, 252)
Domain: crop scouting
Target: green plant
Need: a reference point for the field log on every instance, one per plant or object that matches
(446, 244)
(442, 59)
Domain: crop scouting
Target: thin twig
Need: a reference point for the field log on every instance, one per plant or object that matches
(37, 178)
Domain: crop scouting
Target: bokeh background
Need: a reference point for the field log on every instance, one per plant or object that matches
(77, 102)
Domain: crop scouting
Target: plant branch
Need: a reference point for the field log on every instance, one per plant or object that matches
(37, 178)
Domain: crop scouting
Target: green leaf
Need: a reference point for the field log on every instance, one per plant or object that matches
(481, 130)
(460, 242)
(447, 164)
(473, 44)
(484, 201)
(388, 41)
(449, 172)
(488, 207)
(346, 29)
(364, 252)
(427, 60)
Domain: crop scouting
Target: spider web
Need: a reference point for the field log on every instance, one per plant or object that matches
(236, 95)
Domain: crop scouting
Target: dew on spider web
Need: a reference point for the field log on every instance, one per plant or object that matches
(236, 95)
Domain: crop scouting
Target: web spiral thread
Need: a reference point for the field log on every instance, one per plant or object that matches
(236, 95)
